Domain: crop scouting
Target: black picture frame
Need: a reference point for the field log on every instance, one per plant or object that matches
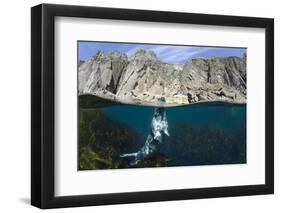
(43, 117)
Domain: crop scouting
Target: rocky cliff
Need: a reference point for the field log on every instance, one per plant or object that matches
(144, 79)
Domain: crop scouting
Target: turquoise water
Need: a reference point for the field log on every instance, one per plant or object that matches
(200, 134)
(229, 117)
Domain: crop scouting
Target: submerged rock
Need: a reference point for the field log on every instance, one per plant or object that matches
(144, 79)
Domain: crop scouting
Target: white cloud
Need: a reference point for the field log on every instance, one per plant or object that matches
(135, 49)
(171, 54)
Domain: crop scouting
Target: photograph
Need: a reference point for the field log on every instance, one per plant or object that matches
(143, 105)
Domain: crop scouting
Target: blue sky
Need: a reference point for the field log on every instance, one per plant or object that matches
(166, 53)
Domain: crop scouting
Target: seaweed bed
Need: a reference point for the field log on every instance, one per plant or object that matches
(102, 139)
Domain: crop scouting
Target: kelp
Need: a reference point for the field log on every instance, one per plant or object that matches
(190, 145)
(102, 140)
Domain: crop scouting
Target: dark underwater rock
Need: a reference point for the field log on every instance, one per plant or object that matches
(92, 101)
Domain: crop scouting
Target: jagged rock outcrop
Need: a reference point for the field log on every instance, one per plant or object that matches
(144, 79)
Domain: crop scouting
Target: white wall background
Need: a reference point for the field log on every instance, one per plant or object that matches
(15, 105)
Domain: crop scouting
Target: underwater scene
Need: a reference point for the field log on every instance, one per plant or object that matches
(154, 105)
(203, 134)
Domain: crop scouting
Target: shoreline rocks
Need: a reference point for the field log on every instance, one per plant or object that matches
(144, 79)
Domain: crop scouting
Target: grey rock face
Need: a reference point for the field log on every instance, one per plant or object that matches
(144, 79)
(101, 72)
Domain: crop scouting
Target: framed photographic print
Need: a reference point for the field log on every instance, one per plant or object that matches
(139, 106)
